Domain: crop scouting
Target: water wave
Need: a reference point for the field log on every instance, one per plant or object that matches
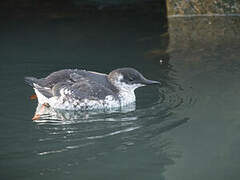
(69, 130)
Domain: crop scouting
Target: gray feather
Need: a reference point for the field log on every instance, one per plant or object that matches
(81, 83)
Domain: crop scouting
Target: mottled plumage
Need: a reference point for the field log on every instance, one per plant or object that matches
(80, 89)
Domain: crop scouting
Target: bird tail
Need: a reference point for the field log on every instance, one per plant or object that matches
(30, 81)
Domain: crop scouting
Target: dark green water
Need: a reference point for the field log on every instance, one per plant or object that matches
(187, 129)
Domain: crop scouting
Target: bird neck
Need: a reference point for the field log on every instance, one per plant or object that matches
(126, 97)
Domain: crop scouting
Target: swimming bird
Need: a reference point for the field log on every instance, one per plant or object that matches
(76, 89)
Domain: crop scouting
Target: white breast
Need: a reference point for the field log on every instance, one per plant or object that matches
(126, 91)
(127, 97)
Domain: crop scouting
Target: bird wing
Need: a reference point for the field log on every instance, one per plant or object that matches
(56, 77)
(50, 80)
(76, 83)
(66, 75)
(84, 89)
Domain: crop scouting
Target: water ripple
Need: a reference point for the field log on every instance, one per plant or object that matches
(120, 129)
(113, 133)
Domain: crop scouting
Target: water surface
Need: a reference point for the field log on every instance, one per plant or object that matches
(186, 129)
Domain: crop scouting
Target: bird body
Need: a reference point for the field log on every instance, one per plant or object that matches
(75, 89)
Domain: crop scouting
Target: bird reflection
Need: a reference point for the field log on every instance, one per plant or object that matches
(45, 113)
